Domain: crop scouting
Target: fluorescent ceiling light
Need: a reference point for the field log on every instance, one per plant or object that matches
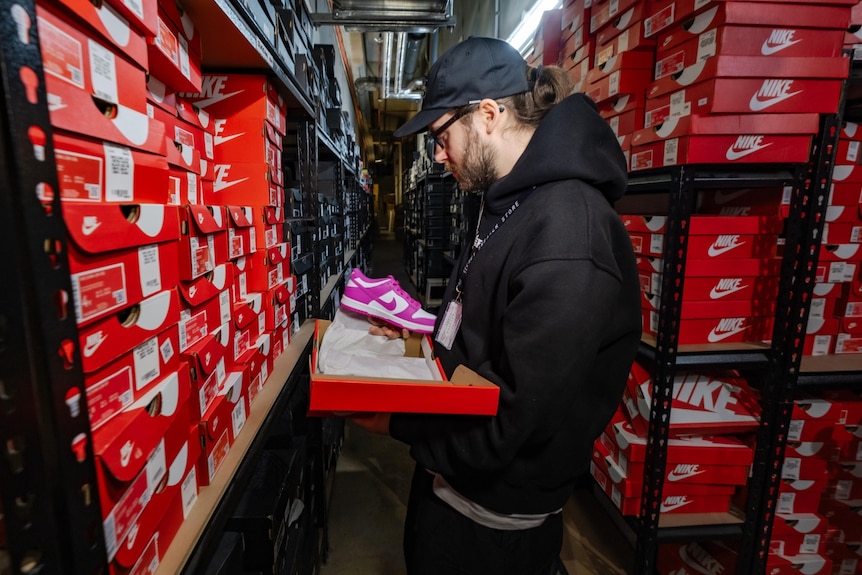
(523, 34)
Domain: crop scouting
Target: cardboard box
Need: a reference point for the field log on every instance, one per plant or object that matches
(247, 184)
(171, 59)
(464, 393)
(716, 402)
(625, 81)
(207, 303)
(721, 149)
(119, 255)
(91, 90)
(209, 361)
(249, 96)
(795, 534)
(603, 13)
(104, 340)
(90, 170)
(203, 240)
(626, 31)
(733, 125)
(799, 496)
(132, 453)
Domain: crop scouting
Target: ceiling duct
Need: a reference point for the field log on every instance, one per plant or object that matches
(386, 15)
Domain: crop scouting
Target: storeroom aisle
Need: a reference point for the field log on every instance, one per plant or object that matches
(372, 482)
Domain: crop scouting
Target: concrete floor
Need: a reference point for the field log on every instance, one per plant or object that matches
(372, 481)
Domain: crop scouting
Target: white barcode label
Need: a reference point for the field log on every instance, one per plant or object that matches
(790, 469)
(103, 73)
(146, 357)
(151, 274)
(189, 491)
(238, 417)
(786, 502)
(795, 431)
(810, 543)
(119, 173)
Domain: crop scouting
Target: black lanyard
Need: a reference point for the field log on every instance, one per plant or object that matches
(478, 242)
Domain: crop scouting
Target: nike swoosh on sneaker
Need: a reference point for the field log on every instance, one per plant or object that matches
(768, 49)
(398, 303)
(717, 336)
(215, 99)
(718, 293)
(756, 104)
(368, 284)
(673, 476)
(733, 154)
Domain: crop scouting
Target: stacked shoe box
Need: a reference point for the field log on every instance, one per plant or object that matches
(124, 253)
(707, 459)
(835, 324)
(750, 63)
(722, 557)
(577, 46)
(853, 37)
(732, 264)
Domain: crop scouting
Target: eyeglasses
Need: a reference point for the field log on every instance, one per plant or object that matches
(435, 134)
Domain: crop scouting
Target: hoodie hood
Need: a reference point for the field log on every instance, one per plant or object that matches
(572, 142)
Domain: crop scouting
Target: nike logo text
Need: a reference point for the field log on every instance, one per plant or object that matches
(778, 40)
(90, 225)
(211, 89)
(725, 287)
(771, 92)
(724, 244)
(674, 502)
(726, 328)
(685, 471)
(94, 340)
(745, 146)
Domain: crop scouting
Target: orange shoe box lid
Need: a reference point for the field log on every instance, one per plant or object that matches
(464, 393)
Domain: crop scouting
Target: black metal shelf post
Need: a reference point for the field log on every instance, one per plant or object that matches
(47, 473)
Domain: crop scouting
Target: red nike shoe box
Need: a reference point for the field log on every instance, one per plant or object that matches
(118, 384)
(203, 240)
(185, 187)
(801, 533)
(802, 496)
(841, 233)
(620, 104)
(142, 15)
(247, 140)
(716, 280)
(267, 269)
(719, 402)
(241, 95)
(190, 141)
(745, 96)
(625, 81)
(248, 184)
(798, 466)
(848, 343)
(578, 72)
(847, 152)
(91, 90)
(705, 309)
(626, 32)
(780, 19)
(249, 323)
(604, 13)
(721, 149)
(662, 14)
(268, 226)
(759, 67)
(112, 27)
(847, 173)
(207, 303)
(845, 481)
(697, 459)
(570, 52)
(706, 225)
(217, 429)
(180, 484)
(851, 131)
(621, 63)
(716, 330)
(717, 557)
(182, 22)
(671, 504)
(840, 253)
(465, 392)
(276, 307)
(241, 232)
(575, 15)
(761, 41)
(132, 451)
(846, 516)
(104, 340)
(90, 170)
(173, 59)
(628, 487)
(734, 125)
(714, 246)
(119, 255)
(209, 361)
(627, 122)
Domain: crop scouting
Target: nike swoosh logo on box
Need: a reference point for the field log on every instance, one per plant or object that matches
(219, 186)
(715, 337)
(88, 229)
(672, 476)
(737, 154)
(714, 251)
(767, 49)
(219, 140)
(215, 99)
(716, 293)
(671, 507)
(91, 346)
(756, 104)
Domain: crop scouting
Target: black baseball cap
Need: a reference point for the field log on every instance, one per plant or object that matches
(476, 68)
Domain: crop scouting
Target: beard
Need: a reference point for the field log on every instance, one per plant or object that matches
(478, 167)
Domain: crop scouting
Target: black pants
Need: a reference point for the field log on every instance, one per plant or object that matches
(440, 541)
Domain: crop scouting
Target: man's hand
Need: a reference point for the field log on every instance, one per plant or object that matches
(380, 327)
(373, 422)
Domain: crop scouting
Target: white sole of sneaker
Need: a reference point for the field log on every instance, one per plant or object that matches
(365, 309)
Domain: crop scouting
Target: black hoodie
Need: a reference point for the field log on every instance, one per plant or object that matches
(551, 314)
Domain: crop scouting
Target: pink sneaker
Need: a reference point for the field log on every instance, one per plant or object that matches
(384, 299)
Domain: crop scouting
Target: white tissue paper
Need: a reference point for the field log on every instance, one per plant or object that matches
(348, 349)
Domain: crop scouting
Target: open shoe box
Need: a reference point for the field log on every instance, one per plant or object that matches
(465, 393)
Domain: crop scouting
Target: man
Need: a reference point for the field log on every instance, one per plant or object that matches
(546, 305)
